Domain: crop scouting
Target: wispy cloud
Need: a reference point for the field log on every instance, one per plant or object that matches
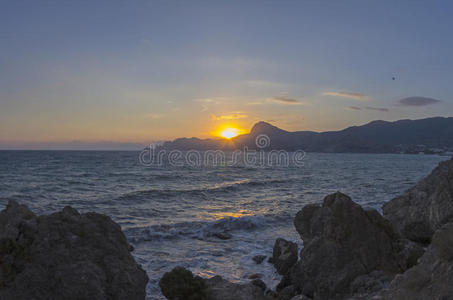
(256, 103)
(350, 95)
(383, 109)
(232, 116)
(286, 100)
(418, 101)
(377, 108)
(206, 100)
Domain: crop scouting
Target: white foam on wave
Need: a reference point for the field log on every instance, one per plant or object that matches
(198, 229)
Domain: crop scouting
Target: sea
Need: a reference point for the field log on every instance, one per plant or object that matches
(171, 213)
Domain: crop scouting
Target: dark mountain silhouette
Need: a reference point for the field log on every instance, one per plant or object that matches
(410, 136)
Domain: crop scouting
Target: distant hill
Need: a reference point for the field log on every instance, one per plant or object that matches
(431, 135)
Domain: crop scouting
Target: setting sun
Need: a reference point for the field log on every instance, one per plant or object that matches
(228, 130)
(229, 133)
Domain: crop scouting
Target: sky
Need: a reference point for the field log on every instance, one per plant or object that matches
(117, 74)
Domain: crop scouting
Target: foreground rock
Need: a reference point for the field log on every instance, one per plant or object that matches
(65, 255)
(423, 209)
(258, 259)
(432, 277)
(342, 241)
(180, 284)
(284, 255)
(220, 289)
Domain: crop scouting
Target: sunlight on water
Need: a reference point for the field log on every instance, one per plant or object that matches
(172, 216)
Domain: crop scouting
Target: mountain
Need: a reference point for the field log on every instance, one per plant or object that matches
(431, 135)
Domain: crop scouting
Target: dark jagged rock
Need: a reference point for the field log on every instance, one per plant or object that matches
(181, 284)
(432, 277)
(65, 255)
(342, 241)
(367, 286)
(255, 276)
(259, 259)
(301, 297)
(284, 255)
(223, 235)
(259, 283)
(423, 209)
(285, 282)
(288, 292)
(221, 289)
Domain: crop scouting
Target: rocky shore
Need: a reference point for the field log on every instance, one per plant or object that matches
(352, 252)
(65, 255)
(349, 252)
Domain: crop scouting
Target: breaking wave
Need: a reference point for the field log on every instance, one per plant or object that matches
(201, 229)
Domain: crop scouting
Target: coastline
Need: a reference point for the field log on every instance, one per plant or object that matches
(355, 253)
(403, 235)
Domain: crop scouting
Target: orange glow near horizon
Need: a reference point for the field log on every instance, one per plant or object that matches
(228, 131)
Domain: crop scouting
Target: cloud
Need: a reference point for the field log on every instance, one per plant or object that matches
(355, 96)
(206, 100)
(286, 100)
(255, 103)
(232, 116)
(418, 101)
(383, 109)
(377, 108)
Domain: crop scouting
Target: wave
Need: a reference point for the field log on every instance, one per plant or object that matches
(216, 188)
(201, 229)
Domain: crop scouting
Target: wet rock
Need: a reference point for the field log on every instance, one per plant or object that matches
(286, 281)
(341, 242)
(259, 283)
(223, 235)
(271, 294)
(301, 297)
(255, 276)
(423, 209)
(284, 255)
(410, 253)
(259, 259)
(182, 284)
(432, 277)
(288, 292)
(220, 289)
(65, 255)
(369, 285)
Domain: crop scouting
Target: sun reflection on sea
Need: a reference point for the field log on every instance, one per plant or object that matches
(237, 214)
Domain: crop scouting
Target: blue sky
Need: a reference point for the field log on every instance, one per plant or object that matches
(141, 71)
